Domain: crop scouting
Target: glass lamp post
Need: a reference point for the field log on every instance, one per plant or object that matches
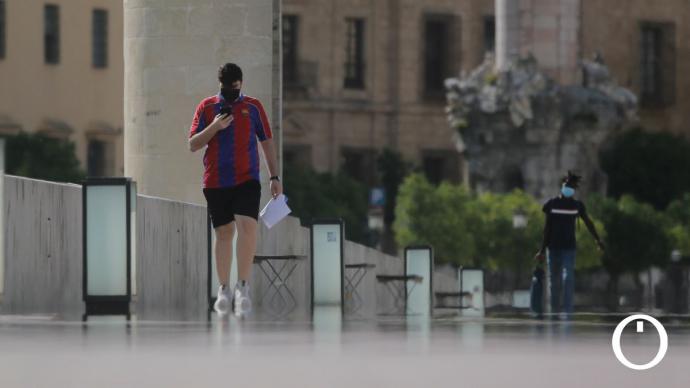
(419, 260)
(109, 216)
(327, 239)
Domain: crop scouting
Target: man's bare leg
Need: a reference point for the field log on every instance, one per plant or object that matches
(246, 245)
(223, 249)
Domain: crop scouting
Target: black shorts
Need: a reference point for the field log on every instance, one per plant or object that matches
(226, 202)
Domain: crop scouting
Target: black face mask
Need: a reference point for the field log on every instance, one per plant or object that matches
(230, 94)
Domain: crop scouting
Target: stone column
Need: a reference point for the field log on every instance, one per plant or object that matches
(507, 32)
(172, 51)
(549, 29)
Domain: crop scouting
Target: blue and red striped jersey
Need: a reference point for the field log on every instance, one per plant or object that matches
(232, 156)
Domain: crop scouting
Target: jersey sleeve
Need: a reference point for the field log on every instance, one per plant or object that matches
(198, 122)
(263, 128)
(547, 207)
(581, 210)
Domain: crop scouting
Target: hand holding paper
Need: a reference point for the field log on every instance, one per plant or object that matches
(275, 210)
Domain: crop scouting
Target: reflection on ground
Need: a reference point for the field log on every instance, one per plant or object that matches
(327, 351)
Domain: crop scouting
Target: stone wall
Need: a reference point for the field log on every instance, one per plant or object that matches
(43, 247)
(43, 266)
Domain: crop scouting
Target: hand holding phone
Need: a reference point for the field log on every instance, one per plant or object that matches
(222, 121)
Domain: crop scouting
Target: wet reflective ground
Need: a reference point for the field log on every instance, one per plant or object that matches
(327, 352)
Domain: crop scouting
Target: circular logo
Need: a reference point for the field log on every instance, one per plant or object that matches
(663, 341)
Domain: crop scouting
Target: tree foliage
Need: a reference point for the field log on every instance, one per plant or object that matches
(438, 216)
(652, 167)
(678, 213)
(323, 195)
(638, 236)
(478, 230)
(469, 230)
(41, 157)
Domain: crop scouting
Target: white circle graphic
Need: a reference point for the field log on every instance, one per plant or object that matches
(616, 342)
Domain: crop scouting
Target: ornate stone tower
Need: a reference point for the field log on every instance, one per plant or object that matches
(173, 49)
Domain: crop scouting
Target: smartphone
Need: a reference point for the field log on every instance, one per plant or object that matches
(226, 110)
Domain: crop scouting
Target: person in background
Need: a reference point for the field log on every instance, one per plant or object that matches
(559, 242)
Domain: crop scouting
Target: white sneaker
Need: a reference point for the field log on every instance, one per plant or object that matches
(241, 302)
(222, 304)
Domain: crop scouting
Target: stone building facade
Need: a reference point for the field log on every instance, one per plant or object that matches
(390, 96)
(333, 123)
(61, 74)
(362, 75)
(646, 44)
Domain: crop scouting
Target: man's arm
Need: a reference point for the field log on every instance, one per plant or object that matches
(547, 233)
(271, 157)
(272, 165)
(199, 140)
(592, 229)
(545, 238)
(265, 135)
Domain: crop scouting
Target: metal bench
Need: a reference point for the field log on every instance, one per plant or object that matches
(442, 297)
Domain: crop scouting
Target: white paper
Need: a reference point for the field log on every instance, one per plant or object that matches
(275, 210)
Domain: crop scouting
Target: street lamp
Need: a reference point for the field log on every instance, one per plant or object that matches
(519, 224)
(676, 255)
(519, 219)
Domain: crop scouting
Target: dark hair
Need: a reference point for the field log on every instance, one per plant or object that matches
(571, 180)
(229, 73)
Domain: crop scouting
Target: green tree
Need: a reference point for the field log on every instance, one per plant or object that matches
(678, 212)
(324, 195)
(465, 229)
(438, 216)
(41, 157)
(637, 237)
(647, 239)
(501, 243)
(589, 257)
(652, 167)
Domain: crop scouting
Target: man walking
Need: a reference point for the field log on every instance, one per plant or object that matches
(228, 125)
(559, 237)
